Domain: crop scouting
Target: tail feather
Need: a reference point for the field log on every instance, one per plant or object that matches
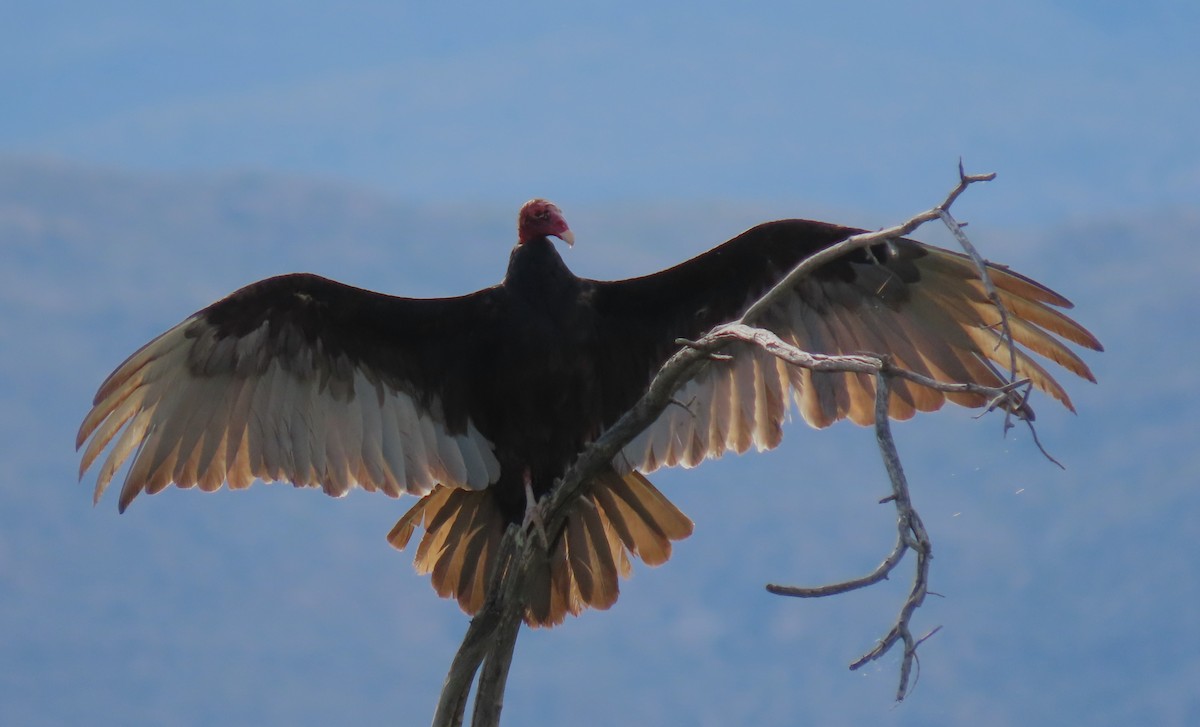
(649, 520)
(563, 596)
(449, 572)
(620, 515)
(473, 581)
(592, 557)
(431, 548)
(546, 595)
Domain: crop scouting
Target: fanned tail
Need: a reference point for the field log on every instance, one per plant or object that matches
(619, 515)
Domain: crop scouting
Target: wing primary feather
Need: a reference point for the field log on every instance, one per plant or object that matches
(1050, 319)
(130, 438)
(104, 434)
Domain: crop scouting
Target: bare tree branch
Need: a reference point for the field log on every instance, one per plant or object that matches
(490, 699)
(501, 613)
(911, 533)
(491, 637)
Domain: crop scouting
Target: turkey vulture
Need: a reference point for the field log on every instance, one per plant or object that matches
(478, 403)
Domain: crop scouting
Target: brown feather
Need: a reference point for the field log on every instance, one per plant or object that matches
(1050, 319)
(539, 589)
(653, 545)
(579, 558)
(563, 594)
(478, 553)
(403, 530)
(620, 555)
(447, 569)
(591, 557)
(992, 345)
(616, 515)
(439, 517)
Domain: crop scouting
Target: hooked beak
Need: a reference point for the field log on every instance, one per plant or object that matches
(566, 236)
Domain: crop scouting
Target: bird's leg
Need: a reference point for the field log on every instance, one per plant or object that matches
(532, 513)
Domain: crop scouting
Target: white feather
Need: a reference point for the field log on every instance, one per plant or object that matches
(416, 454)
(369, 399)
(393, 449)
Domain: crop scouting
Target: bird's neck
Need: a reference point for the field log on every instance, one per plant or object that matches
(536, 271)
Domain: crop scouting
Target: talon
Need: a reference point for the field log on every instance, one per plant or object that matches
(533, 515)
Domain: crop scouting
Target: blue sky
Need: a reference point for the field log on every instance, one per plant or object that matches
(1078, 105)
(154, 156)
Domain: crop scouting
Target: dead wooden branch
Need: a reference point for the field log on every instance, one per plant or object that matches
(490, 639)
(910, 535)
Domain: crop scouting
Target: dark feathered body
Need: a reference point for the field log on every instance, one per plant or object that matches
(542, 403)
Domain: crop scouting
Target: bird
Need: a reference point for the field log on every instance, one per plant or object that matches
(477, 404)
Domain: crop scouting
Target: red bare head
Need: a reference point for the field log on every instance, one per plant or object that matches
(542, 218)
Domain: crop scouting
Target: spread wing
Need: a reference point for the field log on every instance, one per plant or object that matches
(922, 305)
(302, 379)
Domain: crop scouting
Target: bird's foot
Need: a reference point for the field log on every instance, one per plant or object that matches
(533, 515)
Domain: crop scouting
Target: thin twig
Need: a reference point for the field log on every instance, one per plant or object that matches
(981, 266)
(1038, 443)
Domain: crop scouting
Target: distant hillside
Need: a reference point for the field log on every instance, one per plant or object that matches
(236, 222)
